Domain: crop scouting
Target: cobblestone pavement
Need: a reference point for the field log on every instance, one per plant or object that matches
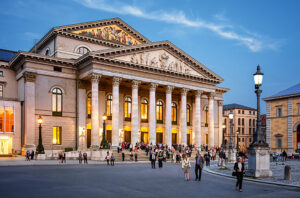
(124, 180)
(277, 171)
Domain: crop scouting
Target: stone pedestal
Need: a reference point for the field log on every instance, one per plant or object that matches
(259, 161)
(99, 155)
(231, 153)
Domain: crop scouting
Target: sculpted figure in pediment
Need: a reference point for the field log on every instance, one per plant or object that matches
(163, 59)
(154, 62)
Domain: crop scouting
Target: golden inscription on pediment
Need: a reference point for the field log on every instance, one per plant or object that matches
(111, 33)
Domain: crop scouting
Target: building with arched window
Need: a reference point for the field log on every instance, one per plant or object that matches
(150, 91)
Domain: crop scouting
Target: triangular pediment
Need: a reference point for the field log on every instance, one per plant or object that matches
(110, 30)
(162, 55)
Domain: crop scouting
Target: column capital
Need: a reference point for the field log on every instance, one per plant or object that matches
(95, 77)
(220, 102)
(153, 86)
(211, 95)
(116, 80)
(135, 84)
(198, 93)
(169, 89)
(184, 91)
(29, 76)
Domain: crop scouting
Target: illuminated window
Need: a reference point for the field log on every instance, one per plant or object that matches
(174, 113)
(82, 50)
(56, 102)
(89, 105)
(188, 115)
(144, 110)
(6, 119)
(1, 91)
(127, 109)
(56, 135)
(159, 111)
(109, 106)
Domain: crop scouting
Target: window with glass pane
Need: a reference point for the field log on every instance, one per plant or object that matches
(56, 102)
(174, 113)
(239, 121)
(82, 50)
(1, 91)
(56, 135)
(127, 108)
(279, 142)
(1, 119)
(188, 115)
(89, 105)
(144, 110)
(159, 112)
(7, 119)
(109, 106)
(243, 121)
(279, 111)
(250, 123)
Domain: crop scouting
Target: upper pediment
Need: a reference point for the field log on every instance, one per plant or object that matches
(110, 30)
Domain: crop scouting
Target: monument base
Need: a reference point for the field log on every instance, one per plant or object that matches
(231, 153)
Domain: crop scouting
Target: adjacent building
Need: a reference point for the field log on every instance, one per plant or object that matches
(244, 124)
(150, 91)
(283, 120)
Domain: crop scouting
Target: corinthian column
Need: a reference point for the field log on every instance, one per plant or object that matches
(183, 124)
(198, 117)
(220, 129)
(115, 111)
(152, 113)
(95, 111)
(135, 112)
(168, 124)
(211, 124)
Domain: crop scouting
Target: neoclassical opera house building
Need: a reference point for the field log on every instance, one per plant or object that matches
(150, 91)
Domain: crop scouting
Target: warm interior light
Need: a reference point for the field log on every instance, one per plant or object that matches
(40, 120)
(104, 117)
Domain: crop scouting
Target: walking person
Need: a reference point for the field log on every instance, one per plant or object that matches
(107, 158)
(186, 165)
(85, 158)
(198, 166)
(153, 159)
(112, 159)
(160, 160)
(64, 158)
(80, 157)
(131, 156)
(239, 168)
(123, 156)
(135, 157)
(32, 155)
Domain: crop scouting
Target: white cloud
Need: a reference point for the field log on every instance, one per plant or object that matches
(254, 42)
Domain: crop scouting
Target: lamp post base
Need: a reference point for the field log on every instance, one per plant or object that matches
(231, 153)
(259, 161)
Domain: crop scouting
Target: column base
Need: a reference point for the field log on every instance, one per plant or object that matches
(99, 155)
(95, 147)
(259, 161)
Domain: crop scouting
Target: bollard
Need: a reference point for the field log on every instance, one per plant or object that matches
(287, 173)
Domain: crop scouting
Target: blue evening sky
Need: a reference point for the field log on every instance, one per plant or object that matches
(229, 37)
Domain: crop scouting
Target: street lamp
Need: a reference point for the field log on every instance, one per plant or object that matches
(40, 147)
(104, 143)
(258, 136)
(231, 146)
(237, 140)
(223, 139)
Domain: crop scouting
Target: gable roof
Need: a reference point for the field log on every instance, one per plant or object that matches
(6, 55)
(236, 106)
(162, 44)
(291, 91)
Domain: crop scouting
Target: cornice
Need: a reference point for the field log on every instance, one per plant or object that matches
(281, 97)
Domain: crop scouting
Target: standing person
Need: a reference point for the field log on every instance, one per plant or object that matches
(160, 160)
(284, 156)
(153, 159)
(112, 159)
(60, 157)
(80, 157)
(85, 157)
(239, 168)
(186, 165)
(107, 158)
(32, 155)
(198, 166)
(123, 156)
(64, 158)
(135, 156)
(131, 156)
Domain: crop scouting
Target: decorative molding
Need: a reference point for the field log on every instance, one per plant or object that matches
(153, 86)
(169, 89)
(220, 103)
(116, 81)
(29, 76)
(198, 93)
(95, 77)
(184, 91)
(135, 84)
(211, 96)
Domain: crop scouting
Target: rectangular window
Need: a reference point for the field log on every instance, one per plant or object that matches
(239, 111)
(56, 135)
(249, 112)
(243, 131)
(243, 112)
(279, 143)
(1, 91)
(243, 140)
(57, 69)
(7, 119)
(279, 111)
(250, 140)
(1, 73)
(249, 131)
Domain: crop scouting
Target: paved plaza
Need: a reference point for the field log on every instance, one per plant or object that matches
(124, 180)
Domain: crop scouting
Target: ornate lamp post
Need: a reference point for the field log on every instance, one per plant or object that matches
(231, 146)
(40, 147)
(104, 144)
(237, 140)
(259, 151)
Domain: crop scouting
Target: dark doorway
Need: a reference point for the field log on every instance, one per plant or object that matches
(88, 138)
(174, 138)
(159, 138)
(127, 136)
(188, 139)
(144, 137)
(108, 136)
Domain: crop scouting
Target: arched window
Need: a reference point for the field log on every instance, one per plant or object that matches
(89, 105)
(188, 115)
(254, 124)
(243, 121)
(144, 110)
(127, 109)
(56, 102)
(109, 106)
(82, 50)
(250, 123)
(239, 121)
(174, 113)
(47, 52)
(159, 111)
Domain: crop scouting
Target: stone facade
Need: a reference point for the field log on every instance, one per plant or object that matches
(82, 78)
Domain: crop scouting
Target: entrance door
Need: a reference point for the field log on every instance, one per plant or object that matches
(108, 136)
(159, 138)
(174, 138)
(188, 139)
(127, 136)
(144, 137)
(89, 138)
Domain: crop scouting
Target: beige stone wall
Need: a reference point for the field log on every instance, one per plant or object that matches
(10, 84)
(282, 103)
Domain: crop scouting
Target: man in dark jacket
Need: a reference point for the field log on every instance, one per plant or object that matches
(198, 166)
(153, 159)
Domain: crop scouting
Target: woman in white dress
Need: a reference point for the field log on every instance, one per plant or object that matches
(186, 165)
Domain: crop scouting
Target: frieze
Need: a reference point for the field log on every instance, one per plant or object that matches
(29, 76)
